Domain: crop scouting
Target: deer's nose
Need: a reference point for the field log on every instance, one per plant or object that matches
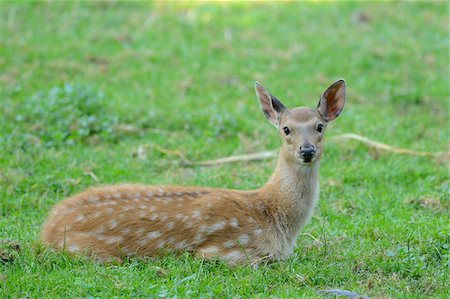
(307, 150)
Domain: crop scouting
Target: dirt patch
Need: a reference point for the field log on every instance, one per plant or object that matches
(9, 251)
(430, 203)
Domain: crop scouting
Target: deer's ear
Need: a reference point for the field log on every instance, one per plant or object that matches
(332, 101)
(270, 106)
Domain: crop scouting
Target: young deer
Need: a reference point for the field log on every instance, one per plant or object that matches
(238, 226)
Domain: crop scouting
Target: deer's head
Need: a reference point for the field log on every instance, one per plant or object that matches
(302, 128)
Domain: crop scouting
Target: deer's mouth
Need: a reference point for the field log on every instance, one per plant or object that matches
(306, 159)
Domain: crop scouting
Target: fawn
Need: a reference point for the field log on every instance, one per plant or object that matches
(112, 222)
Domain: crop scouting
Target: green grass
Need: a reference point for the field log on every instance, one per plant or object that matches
(181, 74)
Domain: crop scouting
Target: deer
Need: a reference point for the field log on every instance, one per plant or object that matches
(111, 223)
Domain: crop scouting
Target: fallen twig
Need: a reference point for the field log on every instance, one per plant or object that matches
(381, 146)
(273, 153)
(246, 157)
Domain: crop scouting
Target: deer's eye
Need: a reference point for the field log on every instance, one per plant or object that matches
(286, 130)
(319, 128)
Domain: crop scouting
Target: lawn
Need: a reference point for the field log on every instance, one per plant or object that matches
(108, 92)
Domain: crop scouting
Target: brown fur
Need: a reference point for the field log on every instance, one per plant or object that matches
(133, 220)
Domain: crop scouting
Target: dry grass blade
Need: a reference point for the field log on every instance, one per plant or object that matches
(168, 152)
(92, 176)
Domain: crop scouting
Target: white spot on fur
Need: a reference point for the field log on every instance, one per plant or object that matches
(149, 194)
(211, 250)
(170, 225)
(178, 193)
(234, 256)
(127, 208)
(161, 191)
(181, 245)
(196, 214)
(127, 250)
(234, 222)
(243, 239)
(152, 208)
(258, 231)
(73, 248)
(216, 226)
(153, 217)
(171, 240)
(112, 223)
(140, 231)
(189, 224)
(153, 235)
(93, 199)
(198, 238)
(101, 237)
(126, 231)
(251, 219)
(160, 244)
(209, 205)
(113, 240)
(228, 244)
(142, 214)
(148, 237)
(163, 217)
(117, 194)
(109, 210)
(178, 216)
(79, 218)
(100, 229)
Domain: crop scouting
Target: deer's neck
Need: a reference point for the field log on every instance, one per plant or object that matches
(291, 194)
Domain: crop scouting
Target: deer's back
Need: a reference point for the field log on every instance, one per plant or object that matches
(127, 220)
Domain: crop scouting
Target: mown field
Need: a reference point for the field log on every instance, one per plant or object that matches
(109, 92)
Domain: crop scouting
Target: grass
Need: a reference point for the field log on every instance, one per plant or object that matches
(77, 76)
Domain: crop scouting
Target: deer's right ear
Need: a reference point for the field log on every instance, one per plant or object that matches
(270, 106)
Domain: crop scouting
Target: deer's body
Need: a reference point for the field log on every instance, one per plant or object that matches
(238, 226)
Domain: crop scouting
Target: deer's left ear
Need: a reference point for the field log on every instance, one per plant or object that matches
(332, 101)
